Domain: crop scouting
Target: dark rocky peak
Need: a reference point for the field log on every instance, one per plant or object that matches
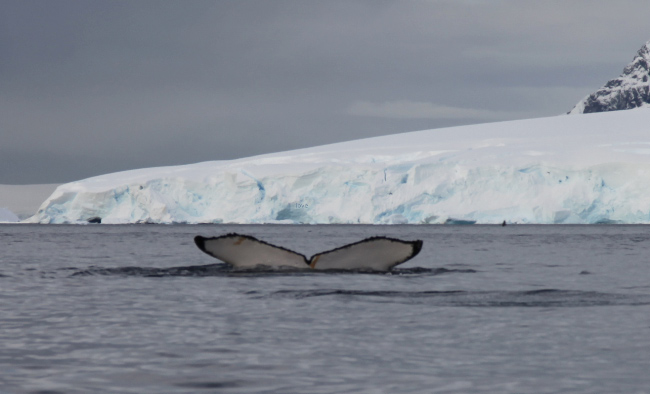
(630, 90)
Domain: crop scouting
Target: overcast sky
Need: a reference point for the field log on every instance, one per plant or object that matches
(92, 87)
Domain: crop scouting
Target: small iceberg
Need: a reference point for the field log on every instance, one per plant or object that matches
(6, 216)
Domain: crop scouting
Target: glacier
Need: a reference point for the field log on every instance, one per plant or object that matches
(591, 168)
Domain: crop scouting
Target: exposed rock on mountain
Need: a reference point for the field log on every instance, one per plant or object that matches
(630, 90)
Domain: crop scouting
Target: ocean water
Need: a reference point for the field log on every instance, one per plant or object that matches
(482, 309)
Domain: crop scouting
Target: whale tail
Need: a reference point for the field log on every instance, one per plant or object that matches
(372, 254)
(244, 251)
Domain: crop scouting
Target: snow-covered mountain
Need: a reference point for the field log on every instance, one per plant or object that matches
(566, 169)
(630, 90)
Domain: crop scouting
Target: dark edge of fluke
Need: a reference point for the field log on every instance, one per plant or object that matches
(417, 247)
(200, 242)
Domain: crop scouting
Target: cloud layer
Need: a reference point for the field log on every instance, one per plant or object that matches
(405, 109)
(96, 87)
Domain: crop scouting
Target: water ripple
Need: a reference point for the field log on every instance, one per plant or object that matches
(226, 270)
(543, 298)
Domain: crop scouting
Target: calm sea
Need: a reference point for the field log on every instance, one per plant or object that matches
(482, 309)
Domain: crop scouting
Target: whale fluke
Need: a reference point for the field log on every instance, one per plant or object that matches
(376, 253)
(244, 251)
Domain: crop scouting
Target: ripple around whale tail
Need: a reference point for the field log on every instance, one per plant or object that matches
(545, 298)
(227, 270)
(192, 270)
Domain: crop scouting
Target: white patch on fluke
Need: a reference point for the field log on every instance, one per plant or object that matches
(370, 254)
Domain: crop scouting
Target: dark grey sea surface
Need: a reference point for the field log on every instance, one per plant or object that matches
(482, 309)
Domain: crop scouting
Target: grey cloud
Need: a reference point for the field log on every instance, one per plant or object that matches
(94, 87)
(405, 109)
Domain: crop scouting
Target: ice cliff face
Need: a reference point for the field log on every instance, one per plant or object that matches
(630, 90)
(565, 169)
